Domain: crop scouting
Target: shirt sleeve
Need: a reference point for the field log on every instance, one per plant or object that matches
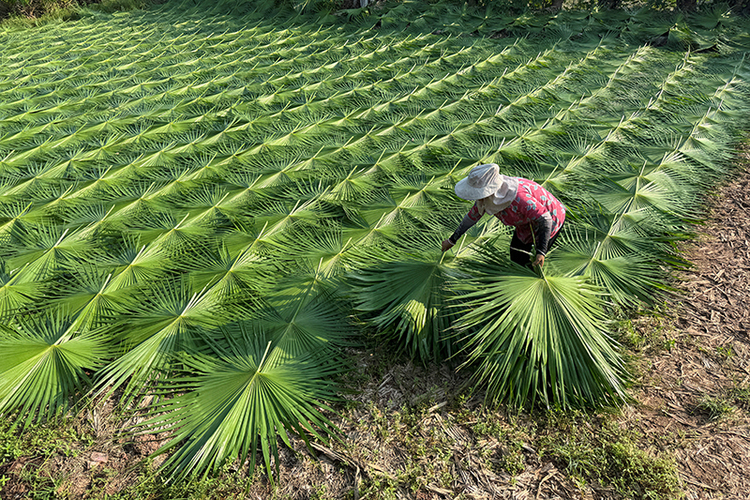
(543, 232)
(533, 209)
(468, 221)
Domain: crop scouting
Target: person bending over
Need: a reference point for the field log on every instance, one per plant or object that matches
(536, 215)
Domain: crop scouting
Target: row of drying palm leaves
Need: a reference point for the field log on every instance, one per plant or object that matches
(198, 203)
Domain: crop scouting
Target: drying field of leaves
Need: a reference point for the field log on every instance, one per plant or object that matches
(209, 213)
(416, 432)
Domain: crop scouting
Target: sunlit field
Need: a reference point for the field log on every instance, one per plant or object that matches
(208, 204)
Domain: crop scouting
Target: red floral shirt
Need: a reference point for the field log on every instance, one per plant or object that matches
(531, 204)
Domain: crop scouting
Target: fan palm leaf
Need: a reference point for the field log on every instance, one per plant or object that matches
(44, 362)
(18, 294)
(313, 248)
(160, 322)
(130, 264)
(46, 249)
(628, 277)
(405, 300)
(535, 337)
(234, 280)
(238, 402)
(305, 315)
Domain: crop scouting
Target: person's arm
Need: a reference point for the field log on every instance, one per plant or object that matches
(468, 221)
(543, 232)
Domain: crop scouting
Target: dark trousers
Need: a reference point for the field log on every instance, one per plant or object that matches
(520, 252)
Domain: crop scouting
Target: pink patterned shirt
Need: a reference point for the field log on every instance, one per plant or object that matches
(531, 206)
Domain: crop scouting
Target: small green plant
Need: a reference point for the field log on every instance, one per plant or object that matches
(716, 408)
(669, 344)
(725, 352)
(511, 459)
(319, 492)
(634, 471)
(43, 441)
(612, 456)
(741, 395)
(628, 334)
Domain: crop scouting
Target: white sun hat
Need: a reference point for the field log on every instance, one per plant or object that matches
(485, 181)
(482, 181)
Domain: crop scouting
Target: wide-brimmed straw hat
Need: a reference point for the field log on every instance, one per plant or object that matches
(482, 181)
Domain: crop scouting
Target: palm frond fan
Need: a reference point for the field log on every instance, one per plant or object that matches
(405, 299)
(537, 338)
(238, 401)
(45, 361)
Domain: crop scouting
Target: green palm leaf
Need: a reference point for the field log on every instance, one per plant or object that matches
(43, 362)
(18, 294)
(238, 403)
(160, 322)
(238, 276)
(405, 298)
(47, 249)
(305, 314)
(538, 337)
(628, 279)
(619, 254)
(131, 265)
(315, 247)
(87, 295)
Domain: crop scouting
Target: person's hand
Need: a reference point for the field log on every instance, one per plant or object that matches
(447, 244)
(539, 261)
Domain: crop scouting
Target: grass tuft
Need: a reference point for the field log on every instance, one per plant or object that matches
(611, 456)
(30, 13)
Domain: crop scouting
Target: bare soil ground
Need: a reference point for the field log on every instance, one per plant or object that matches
(699, 386)
(408, 435)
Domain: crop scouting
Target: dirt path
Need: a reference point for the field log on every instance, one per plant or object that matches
(698, 390)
